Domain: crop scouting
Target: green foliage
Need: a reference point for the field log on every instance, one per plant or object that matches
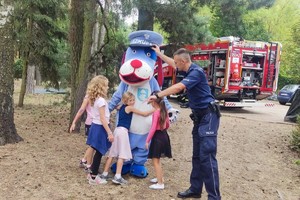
(295, 141)
(18, 68)
(113, 53)
(227, 18)
(38, 30)
(188, 27)
(254, 30)
(291, 64)
(234, 18)
(256, 4)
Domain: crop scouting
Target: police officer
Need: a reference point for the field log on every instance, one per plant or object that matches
(206, 117)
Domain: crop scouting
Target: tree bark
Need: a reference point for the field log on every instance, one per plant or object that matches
(105, 13)
(90, 16)
(30, 79)
(76, 41)
(146, 15)
(8, 133)
(25, 56)
(38, 77)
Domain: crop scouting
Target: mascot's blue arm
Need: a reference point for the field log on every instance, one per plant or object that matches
(117, 96)
(155, 87)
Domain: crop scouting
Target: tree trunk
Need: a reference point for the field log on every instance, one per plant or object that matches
(25, 56)
(146, 14)
(76, 40)
(38, 77)
(96, 31)
(30, 79)
(103, 31)
(23, 83)
(8, 133)
(89, 22)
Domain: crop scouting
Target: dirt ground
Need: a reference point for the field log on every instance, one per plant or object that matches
(254, 159)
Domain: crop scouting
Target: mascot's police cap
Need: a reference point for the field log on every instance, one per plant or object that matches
(145, 38)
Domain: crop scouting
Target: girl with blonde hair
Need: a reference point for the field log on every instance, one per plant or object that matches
(100, 135)
(121, 146)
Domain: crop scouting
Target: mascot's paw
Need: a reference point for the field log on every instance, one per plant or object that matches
(173, 114)
(139, 170)
(125, 169)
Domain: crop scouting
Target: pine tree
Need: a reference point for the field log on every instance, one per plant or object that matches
(8, 133)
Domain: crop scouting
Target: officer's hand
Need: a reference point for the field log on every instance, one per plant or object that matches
(155, 48)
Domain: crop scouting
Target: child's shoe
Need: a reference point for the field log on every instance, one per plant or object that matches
(157, 186)
(97, 180)
(154, 180)
(120, 181)
(87, 169)
(82, 164)
(107, 177)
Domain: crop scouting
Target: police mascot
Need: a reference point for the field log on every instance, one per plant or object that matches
(136, 74)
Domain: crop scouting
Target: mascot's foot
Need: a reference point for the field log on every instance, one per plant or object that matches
(125, 169)
(138, 170)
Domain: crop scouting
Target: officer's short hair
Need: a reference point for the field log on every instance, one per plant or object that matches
(185, 54)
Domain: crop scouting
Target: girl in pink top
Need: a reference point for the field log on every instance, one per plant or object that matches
(160, 142)
(86, 161)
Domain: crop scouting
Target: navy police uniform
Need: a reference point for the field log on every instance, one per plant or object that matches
(206, 117)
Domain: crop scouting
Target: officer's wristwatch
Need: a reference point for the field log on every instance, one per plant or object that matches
(156, 95)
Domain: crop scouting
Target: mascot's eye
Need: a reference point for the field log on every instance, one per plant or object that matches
(148, 54)
(133, 51)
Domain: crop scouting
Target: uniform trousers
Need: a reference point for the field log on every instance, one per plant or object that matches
(204, 162)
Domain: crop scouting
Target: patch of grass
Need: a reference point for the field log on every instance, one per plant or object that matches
(295, 141)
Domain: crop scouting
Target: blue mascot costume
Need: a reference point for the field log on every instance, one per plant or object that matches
(136, 74)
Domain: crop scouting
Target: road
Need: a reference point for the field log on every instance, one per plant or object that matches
(274, 114)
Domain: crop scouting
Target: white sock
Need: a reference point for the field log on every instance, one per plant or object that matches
(118, 176)
(105, 173)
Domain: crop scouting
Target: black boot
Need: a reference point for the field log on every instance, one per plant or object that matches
(188, 194)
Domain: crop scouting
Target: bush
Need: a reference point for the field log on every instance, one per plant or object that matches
(295, 142)
(18, 68)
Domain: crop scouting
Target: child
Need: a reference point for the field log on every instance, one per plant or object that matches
(160, 142)
(86, 161)
(121, 147)
(100, 135)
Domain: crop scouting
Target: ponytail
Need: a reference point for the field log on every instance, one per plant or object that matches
(163, 110)
(163, 113)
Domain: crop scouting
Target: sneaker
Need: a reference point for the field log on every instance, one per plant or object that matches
(82, 164)
(120, 181)
(157, 186)
(107, 177)
(154, 180)
(87, 170)
(88, 176)
(97, 180)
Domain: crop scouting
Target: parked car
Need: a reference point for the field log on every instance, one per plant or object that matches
(286, 93)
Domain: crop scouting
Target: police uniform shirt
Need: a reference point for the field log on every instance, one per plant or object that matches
(198, 90)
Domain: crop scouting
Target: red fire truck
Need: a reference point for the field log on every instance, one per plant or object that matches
(240, 72)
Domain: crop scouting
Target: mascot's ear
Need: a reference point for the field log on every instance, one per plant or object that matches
(160, 75)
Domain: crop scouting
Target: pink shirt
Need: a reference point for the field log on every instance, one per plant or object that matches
(88, 109)
(155, 125)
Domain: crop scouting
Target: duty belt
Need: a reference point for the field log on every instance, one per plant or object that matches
(197, 114)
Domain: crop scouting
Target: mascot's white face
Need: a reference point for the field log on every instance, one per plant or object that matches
(138, 66)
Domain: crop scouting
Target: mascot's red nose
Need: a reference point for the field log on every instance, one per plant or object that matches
(136, 64)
